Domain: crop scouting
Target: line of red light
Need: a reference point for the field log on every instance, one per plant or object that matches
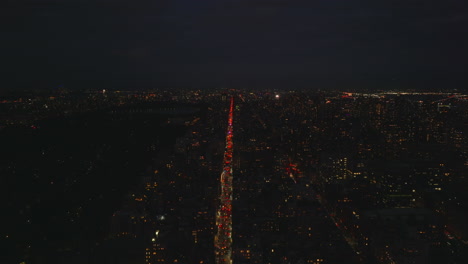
(223, 239)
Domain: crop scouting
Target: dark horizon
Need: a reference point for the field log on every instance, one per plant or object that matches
(234, 43)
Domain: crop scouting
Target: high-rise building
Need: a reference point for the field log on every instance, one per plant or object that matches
(155, 252)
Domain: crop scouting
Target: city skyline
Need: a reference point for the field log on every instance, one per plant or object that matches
(228, 176)
(234, 132)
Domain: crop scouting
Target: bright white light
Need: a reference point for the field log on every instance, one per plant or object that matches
(277, 96)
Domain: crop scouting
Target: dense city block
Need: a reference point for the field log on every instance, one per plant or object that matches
(234, 176)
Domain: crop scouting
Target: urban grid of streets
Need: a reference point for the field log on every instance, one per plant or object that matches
(377, 177)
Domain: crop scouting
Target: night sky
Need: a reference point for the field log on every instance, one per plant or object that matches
(124, 44)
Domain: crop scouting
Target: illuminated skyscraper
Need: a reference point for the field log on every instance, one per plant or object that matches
(155, 252)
